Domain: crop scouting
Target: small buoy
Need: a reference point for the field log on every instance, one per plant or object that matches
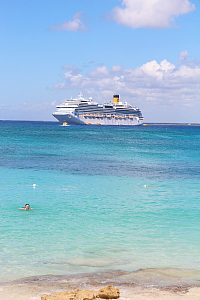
(145, 186)
(34, 185)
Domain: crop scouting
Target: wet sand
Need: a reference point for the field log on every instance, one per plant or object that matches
(165, 284)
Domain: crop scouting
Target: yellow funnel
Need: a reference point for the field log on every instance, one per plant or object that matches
(116, 98)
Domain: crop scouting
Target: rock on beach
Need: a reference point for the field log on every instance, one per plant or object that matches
(108, 292)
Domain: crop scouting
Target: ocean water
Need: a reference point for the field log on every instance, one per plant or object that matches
(105, 199)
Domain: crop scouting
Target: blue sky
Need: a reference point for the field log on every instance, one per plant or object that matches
(147, 51)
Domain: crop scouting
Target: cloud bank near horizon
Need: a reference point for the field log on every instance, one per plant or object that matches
(165, 92)
(158, 83)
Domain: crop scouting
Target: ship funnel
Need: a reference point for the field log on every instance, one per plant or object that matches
(116, 98)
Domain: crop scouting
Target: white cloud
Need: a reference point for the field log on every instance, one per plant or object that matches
(187, 73)
(183, 55)
(74, 70)
(117, 68)
(150, 13)
(75, 25)
(100, 72)
(154, 69)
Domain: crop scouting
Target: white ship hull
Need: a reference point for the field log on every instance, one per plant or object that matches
(70, 119)
(81, 111)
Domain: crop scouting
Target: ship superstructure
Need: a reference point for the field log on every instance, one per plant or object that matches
(81, 111)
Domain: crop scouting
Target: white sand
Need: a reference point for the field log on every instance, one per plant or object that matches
(20, 292)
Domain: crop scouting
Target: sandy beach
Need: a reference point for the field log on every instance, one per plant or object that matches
(133, 293)
(146, 284)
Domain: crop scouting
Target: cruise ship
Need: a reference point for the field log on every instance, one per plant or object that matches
(81, 111)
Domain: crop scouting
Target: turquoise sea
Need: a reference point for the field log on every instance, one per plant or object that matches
(105, 199)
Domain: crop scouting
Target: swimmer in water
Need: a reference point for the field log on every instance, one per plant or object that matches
(26, 207)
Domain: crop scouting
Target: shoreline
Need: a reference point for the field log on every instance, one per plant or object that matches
(166, 283)
(143, 124)
(171, 124)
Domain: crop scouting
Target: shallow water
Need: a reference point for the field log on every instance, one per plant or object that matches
(106, 199)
